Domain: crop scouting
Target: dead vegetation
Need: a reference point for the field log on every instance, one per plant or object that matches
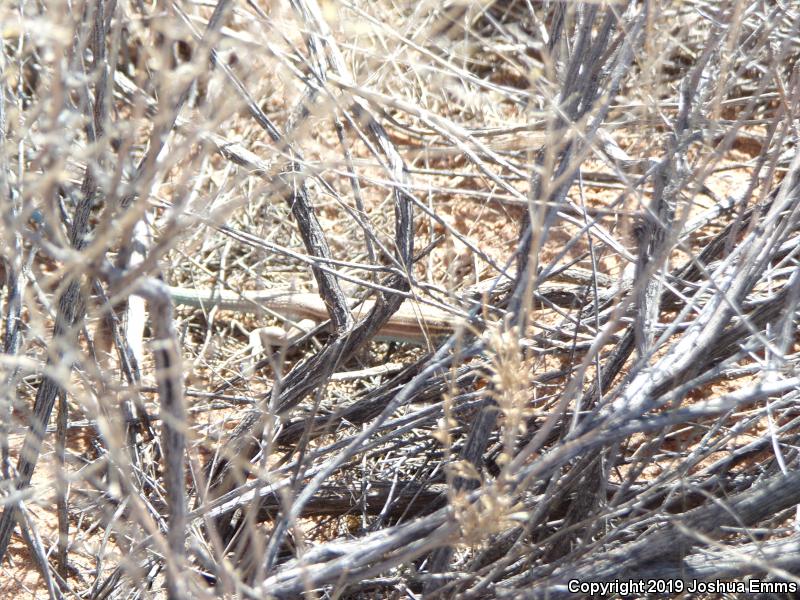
(603, 197)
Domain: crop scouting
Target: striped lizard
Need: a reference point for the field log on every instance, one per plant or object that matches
(413, 322)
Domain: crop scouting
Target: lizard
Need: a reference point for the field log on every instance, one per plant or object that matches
(413, 322)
